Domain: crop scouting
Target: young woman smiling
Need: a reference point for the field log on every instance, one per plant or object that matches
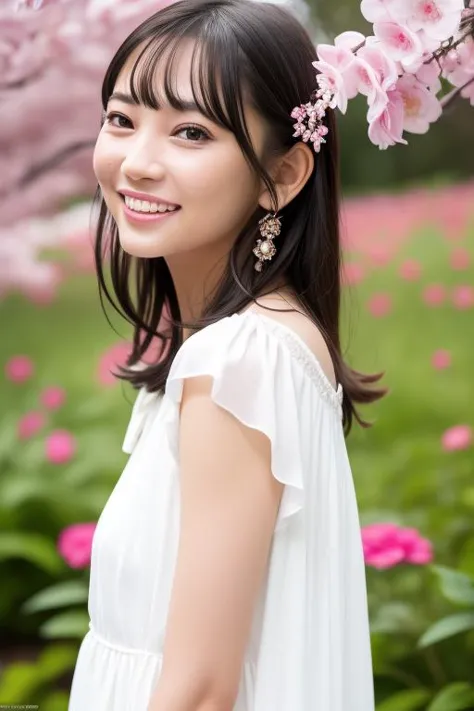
(227, 570)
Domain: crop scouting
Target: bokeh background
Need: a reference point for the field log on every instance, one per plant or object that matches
(408, 309)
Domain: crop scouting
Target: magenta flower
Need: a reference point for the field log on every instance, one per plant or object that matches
(456, 438)
(53, 397)
(410, 270)
(386, 545)
(75, 544)
(113, 356)
(441, 359)
(380, 305)
(19, 369)
(460, 259)
(434, 294)
(30, 424)
(463, 297)
(352, 273)
(60, 447)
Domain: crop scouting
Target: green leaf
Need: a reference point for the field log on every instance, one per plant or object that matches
(407, 700)
(70, 625)
(455, 586)
(393, 618)
(71, 592)
(454, 697)
(19, 682)
(447, 627)
(56, 660)
(57, 701)
(33, 547)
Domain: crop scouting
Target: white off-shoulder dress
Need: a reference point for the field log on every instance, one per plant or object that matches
(309, 648)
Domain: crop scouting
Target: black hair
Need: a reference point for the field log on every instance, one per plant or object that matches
(259, 53)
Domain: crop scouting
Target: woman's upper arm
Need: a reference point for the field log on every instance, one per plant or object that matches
(229, 506)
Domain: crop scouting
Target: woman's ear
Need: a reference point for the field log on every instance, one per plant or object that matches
(290, 173)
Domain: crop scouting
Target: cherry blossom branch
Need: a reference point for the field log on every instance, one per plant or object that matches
(449, 98)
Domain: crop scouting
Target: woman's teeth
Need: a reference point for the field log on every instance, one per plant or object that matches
(145, 206)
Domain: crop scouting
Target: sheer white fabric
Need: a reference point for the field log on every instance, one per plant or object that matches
(309, 649)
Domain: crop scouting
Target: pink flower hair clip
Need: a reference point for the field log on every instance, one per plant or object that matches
(310, 116)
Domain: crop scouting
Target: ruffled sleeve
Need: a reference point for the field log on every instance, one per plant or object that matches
(254, 380)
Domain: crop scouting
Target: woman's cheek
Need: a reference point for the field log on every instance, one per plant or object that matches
(103, 162)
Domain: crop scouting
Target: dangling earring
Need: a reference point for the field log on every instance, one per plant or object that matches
(270, 227)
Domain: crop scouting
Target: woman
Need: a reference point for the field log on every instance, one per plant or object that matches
(227, 569)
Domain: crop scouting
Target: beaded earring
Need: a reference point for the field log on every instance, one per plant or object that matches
(270, 227)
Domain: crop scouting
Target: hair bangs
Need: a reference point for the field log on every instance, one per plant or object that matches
(215, 78)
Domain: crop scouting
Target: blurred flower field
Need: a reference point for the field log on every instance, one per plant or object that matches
(408, 309)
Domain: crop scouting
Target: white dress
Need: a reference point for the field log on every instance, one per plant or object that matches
(309, 649)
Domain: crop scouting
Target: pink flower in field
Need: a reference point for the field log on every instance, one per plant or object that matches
(463, 297)
(386, 545)
(30, 424)
(434, 294)
(352, 273)
(114, 356)
(456, 438)
(441, 359)
(380, 305)
(60, 447)
(410, 270)
(75, 544)
(53, 397)
(19, 368)
(460, 259)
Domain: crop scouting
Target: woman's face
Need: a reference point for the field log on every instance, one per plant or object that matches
(168, 157)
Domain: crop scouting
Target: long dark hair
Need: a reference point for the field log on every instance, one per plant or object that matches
(259, 51)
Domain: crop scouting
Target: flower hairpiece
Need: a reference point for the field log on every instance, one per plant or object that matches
(310, 116)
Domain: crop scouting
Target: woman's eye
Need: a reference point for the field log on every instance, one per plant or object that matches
(118, 120)
(194, 134)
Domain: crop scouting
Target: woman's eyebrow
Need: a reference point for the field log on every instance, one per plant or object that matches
(182, 104)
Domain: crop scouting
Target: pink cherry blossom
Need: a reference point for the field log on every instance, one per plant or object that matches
(30, 424)
(380, 305)
(53, 397)
(428, 74)
(19, 369)
(410, 270)
(60, 447)
(379, 10)
(386, 130)
(386, 545)
(398, 42)
(349, 40)
(421, 107)
(439, 19)
(441, 359)
(463, 297)
(434, 294)
(75, 544)
(457, 438)
(333, 62)
(372, 74)
(460, 259)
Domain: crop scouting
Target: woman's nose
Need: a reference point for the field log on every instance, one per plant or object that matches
(139, 163)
